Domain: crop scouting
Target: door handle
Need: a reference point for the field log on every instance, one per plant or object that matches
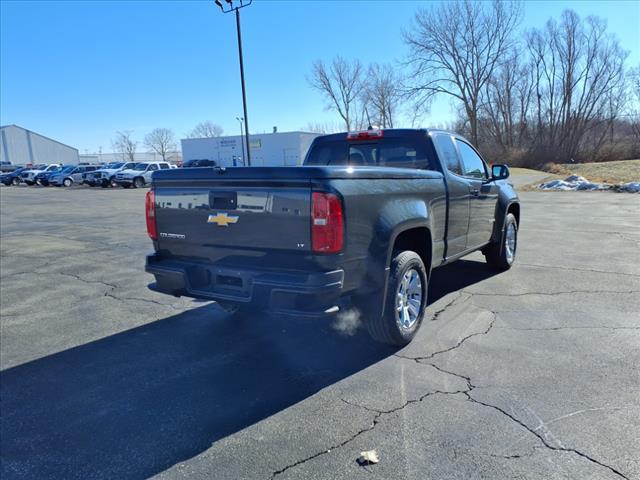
(474, 191)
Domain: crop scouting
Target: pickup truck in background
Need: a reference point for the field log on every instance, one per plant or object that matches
(360, 225)
(6, 166)
(139, 175)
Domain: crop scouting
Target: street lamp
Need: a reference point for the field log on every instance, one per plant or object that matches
(240, 120)
(226, 9)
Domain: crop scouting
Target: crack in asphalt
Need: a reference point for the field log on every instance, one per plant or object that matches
(581, 327)
(542, 439)
(457, 345)
(70, 239)
(376, 419)
(471, 387)
(147, 300)
(493, 294)
(108, 293)
(557, 267)
(72, 275)
(437, 313)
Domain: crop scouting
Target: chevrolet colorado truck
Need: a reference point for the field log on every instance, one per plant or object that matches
(361, 224)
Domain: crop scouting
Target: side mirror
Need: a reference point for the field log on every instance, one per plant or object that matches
(499, 172)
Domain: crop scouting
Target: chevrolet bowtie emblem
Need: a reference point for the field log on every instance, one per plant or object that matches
(222, 219)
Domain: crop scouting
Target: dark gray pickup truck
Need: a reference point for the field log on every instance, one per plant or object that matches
(360, 225)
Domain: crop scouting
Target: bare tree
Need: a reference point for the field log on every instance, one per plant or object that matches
(206, 129)
(455, 48)
(579, 82)
(125, 146)
(161, 141)
(506, 102)
(382, 94)
(341, 85)
(634, 103)
(324, 128)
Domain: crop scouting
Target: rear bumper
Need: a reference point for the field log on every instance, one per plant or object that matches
(308, 294)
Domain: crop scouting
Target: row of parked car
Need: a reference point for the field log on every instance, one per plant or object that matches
(124, 174)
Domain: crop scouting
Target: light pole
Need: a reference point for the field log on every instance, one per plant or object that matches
(240, 120)
(231, 8)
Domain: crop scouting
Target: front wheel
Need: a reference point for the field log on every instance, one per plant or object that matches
(67, 182)
(406, 301)
(15, 181)
(138, 182)
(501, 254)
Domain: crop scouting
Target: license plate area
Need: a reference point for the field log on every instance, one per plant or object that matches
(228, 281)
(222, 281)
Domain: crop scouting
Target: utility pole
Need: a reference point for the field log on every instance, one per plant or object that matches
(240, 120)
(231, 8)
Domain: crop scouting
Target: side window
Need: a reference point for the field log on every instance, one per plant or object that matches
(164, 166)
(152, 167)
(447, 152)
(472, 164)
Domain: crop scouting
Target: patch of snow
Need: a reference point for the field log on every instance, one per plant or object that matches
(576, 182)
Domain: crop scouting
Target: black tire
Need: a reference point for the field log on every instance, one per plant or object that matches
(387, 328)
(497, 255)
(138, 182)
(67, 182)
(112, 182)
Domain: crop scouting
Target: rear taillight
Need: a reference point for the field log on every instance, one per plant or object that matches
(327, 223)
(150, 213)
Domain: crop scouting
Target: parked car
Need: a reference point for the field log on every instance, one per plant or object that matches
(361, 224)
(6, 166)
(140, 174)
(29, 176)
(42, 178)
(12, 178)
(199, 163)
(70, 175)
(105, 176)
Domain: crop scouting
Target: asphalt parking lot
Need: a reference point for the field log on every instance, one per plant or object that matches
(529, 374)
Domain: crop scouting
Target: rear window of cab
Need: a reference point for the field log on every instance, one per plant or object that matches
(383, 152)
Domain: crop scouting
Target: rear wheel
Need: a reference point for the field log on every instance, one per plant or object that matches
(138, 182)
(501, 254)
(405, 303)
(67, 182)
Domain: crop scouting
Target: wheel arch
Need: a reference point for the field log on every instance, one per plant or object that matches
(416, 238)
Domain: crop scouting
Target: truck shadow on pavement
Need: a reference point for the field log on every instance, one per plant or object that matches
(135, 403)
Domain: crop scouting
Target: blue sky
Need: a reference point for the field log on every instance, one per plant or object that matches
(78, 71)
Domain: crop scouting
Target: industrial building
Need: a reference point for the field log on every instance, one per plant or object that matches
(267, 149)
(21, 147)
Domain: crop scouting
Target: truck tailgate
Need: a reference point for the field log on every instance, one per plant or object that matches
(267, 215)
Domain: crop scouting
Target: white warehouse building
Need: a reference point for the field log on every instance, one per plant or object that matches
(267, 149)
(21, 147)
